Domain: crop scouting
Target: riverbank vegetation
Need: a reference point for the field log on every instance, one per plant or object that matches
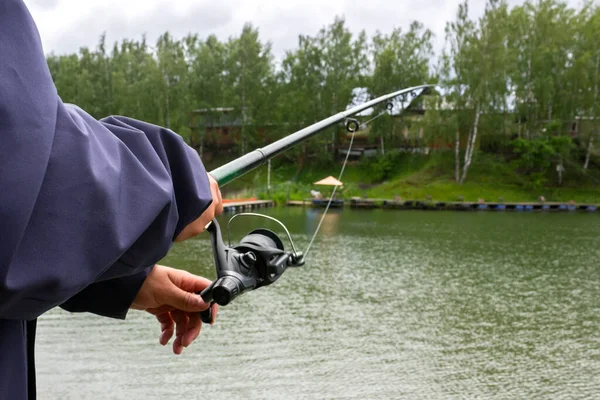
(422, 177)
(516, 113)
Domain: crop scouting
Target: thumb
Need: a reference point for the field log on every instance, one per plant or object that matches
(184, 301)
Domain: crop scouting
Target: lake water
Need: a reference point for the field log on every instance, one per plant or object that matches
(390, 305)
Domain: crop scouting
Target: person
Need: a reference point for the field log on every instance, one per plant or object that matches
(87, 209)
(316, 195)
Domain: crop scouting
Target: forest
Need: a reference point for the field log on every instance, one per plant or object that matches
(518, 84)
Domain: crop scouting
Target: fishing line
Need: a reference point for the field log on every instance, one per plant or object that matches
(352, 126)
(259, 258)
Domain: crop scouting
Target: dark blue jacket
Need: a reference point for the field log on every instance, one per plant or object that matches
(86, 206)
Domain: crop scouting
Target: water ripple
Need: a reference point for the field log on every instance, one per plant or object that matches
(391, 305)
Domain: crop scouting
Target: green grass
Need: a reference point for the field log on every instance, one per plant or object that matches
(415, 177)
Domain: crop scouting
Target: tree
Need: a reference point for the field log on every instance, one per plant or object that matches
(586, 72)
(301, 79)
(249, 73)
(344, 64)
(400, 60)
(461, 79)
(174, 70)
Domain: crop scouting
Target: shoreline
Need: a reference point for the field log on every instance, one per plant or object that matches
(242, 205)
(451, 205)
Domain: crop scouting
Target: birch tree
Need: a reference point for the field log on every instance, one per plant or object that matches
(587, 70)
(461, 81)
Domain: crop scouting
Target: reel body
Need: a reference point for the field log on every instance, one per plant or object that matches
(259, 259)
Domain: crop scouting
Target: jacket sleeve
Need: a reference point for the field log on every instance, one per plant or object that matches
(81, 201)
(111, 298)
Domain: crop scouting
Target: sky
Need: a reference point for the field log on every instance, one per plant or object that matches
(67, 25)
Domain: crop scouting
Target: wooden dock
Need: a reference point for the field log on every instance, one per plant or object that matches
(248, 205)
(298, 203)
(364, 203)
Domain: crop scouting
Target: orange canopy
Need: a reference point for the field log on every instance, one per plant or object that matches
(329, 181)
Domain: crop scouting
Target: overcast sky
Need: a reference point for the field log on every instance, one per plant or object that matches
(67, 25)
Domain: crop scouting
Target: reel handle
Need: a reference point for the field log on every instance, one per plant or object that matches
(206, 316)
(222, 291)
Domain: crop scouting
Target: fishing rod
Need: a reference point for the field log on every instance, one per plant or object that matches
(259, 259)
(246, 163)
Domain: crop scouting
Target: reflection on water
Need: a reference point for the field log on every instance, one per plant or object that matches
(390, 305)
(330, 224)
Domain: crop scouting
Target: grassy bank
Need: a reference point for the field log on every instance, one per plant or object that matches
(415, 177)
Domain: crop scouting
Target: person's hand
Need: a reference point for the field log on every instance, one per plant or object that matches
(215, 208)
(170, 295)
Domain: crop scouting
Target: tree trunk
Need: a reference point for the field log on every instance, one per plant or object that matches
(457, 157)
(300, 163)
(589, 151)
(201, 149)
(596, 80)
(168, 111)
(381, 144)
(527, 98)
(334, 129)
(593, 112)
(470, 146)
(560, 170)
(243, 121)
(269, 176)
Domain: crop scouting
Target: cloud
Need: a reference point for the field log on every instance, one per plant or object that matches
(67, 25)
(203, 18)
(43, 4)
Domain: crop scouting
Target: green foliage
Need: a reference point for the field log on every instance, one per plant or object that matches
(285, 191)
(536, 181)
(380, 167)
(540, 154)
(534, 154)
(528, 71)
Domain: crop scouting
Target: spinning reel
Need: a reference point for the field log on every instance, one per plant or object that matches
(258, 260)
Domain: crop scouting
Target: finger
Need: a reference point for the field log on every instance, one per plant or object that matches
(215, 311)
(207, 215)
(216, 195)
(166, 326)
(181, 320)
(197, 226)
(177, 346)
(181, 292)
(194, 326)
(191, 283)
(184, 300)
(219, 207)
(160, 310)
